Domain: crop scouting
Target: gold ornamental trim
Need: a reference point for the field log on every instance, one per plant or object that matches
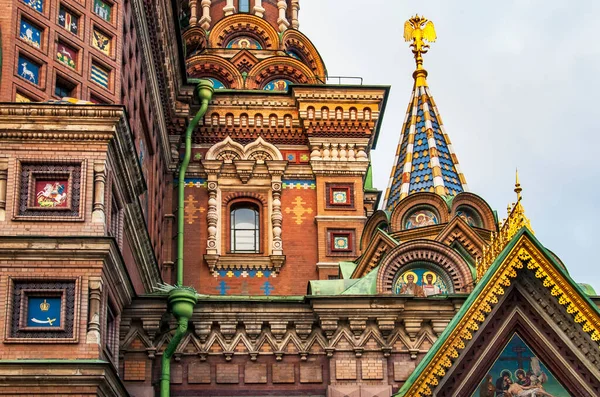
(523, 255)
(509, 228)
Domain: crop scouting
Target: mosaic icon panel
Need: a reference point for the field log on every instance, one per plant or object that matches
(519, 372)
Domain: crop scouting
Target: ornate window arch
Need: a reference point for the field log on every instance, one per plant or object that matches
(263, 196)
(452, 267)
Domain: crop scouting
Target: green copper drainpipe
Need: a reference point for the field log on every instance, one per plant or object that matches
(181, 300)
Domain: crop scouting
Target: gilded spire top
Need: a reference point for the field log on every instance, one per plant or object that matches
(518, 188)
(420, 32)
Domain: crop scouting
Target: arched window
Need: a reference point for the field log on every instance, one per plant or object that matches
(244, 6)
(245, 228)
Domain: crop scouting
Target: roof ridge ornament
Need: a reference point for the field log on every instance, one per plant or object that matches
(420, 31)
(515, 221)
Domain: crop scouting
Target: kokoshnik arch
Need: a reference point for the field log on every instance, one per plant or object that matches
(187, 208)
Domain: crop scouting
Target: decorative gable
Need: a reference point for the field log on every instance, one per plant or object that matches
(524, 293)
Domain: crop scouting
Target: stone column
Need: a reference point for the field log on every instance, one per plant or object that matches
(276, 169)
(3, 179)
(98, 206)
(212, 169)
(212, 217)
(193, 12)
(295, 8)
(259, 11)
(276, 219)
(282, 20)
(95, 299)
(205, 20)
(229, 8)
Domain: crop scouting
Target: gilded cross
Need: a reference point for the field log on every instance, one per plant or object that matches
(298, 210)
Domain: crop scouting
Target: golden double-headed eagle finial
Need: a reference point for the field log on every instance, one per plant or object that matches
(420, 32)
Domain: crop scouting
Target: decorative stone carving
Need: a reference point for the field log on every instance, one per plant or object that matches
(358, 325)
(282, 20)
(95, 293)
(193, 12)
(205, 19)
(259, 11)
(3, 178)
(412, 327)
(295, 9)
(98, 206)
(212, 217)
(229, 8)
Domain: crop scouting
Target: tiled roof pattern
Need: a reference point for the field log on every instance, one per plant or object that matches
(425, 161)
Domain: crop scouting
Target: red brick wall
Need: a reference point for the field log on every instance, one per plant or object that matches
(48, 152)
(49, 270)
(299, 246)
(136, 97)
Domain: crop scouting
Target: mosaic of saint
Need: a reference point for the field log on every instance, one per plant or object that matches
(469, 217)
(244, 42)
(277, 85)
(420, 282)
(519, 373)
(420, 218)
(51, 194)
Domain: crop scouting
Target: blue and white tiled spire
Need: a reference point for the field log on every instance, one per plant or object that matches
(425, 160)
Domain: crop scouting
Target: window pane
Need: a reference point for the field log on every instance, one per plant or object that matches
(244, 6)
(245, 240)
(244, 218)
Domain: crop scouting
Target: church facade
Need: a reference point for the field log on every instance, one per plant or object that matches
(187, 208)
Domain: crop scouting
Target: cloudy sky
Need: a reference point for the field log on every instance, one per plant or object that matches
(517, 85)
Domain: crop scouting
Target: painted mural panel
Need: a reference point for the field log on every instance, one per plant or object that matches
(66, 55)
(420, 218)
(244, 42)
(51, 193)
(29, 70)
(68, 20)
(102, 9)
(420, 282)
(37, 5)
(277, 85)
(30, 33)
(517, 372)
(43, 311)
(101, 41)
